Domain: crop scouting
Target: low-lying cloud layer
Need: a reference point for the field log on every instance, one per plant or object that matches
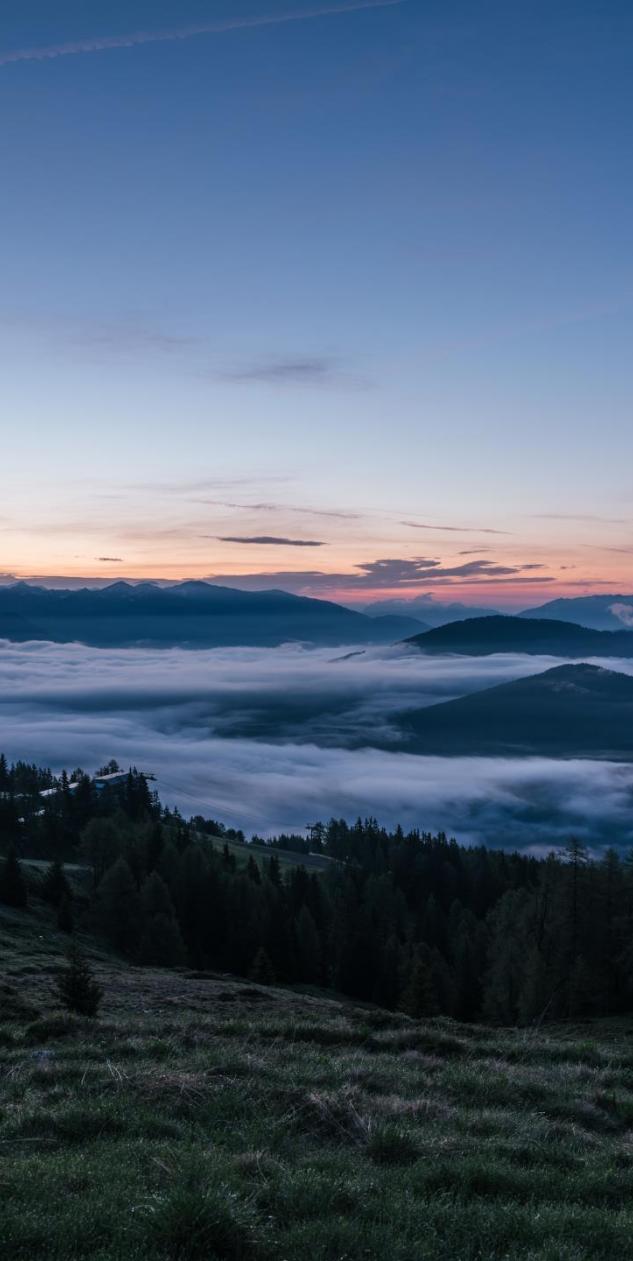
(273, 739)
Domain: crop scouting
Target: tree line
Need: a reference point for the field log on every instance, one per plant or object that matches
(405, 920)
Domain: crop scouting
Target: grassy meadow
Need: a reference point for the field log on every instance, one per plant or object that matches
(202, 1118)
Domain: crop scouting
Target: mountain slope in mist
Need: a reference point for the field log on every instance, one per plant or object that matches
(599, 612)
(481, 636)
(569, 711)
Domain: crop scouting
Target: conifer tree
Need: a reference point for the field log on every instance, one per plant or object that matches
(119, 907)
(262, 970)
(55, 885)
(161, 942)
(13, 891)
(252, 870)
(76, 987)
(308, 947)
(65, 917)
(418, 998)
(388, 985)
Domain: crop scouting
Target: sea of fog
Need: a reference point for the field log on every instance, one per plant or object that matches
(273, 739)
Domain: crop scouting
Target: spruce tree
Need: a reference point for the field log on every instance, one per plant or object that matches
(262, 970)
(252, 870)
(418, 998)
(308, 947)
(65, 917)
(13, 891)
(55, 885)
(161, 943)
(76, 987)
(119, 910)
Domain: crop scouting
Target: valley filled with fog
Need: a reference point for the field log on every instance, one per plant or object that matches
(272, 739)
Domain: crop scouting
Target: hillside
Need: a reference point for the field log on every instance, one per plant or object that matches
(190, 614)
(600, 612)
(202, 1118)
(569, 711)
(481, 636)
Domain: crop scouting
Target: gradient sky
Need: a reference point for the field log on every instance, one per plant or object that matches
(297, 297)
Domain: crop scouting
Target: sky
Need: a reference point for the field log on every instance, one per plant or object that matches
(336, 297)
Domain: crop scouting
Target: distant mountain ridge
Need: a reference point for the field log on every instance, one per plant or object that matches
(569, 711)
(189, 614)
(430, 611)
(598, 612)
(481, 636)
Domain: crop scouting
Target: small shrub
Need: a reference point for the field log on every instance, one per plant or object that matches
(76, 987)
(198, 1222)
(50, 1028)
(390, 1145)
(13, 1006)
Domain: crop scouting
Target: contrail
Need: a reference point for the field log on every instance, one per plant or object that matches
(49, 51)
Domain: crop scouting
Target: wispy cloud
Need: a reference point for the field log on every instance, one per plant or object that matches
(287, 508)
(110, 560)
(266, 539)
(453, 529)
(388, 574)
(594, 518)
(310, 370)
(48, 52)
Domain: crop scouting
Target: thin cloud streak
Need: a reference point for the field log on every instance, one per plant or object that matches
(74, 48)
(452, 529)
(266, 539)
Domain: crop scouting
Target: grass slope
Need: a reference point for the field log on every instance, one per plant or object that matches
(204, 1118)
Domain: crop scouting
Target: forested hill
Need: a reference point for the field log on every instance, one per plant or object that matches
(191, 614)
(569, 711)
(405, 920)
(480, 636)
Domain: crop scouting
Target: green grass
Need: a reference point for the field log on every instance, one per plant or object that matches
(242, 851)
(201, 1118)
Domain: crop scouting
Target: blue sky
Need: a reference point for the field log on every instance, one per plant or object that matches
(335, 280)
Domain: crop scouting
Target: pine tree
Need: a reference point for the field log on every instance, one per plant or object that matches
(13, 891)
(262, 970)
(55, 885)
(308, 947)
(119, 908)
(100, 844)
(252, 870)
(76, 987)
(388, 982)
(273, 871)
(161, 943)
(508, 948)
(418, 998)
(65, 917)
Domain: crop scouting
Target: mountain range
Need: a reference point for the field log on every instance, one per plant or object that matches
(599, 612)
(480, 636)
(189, 614)
(569, 711)
(426, 608)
